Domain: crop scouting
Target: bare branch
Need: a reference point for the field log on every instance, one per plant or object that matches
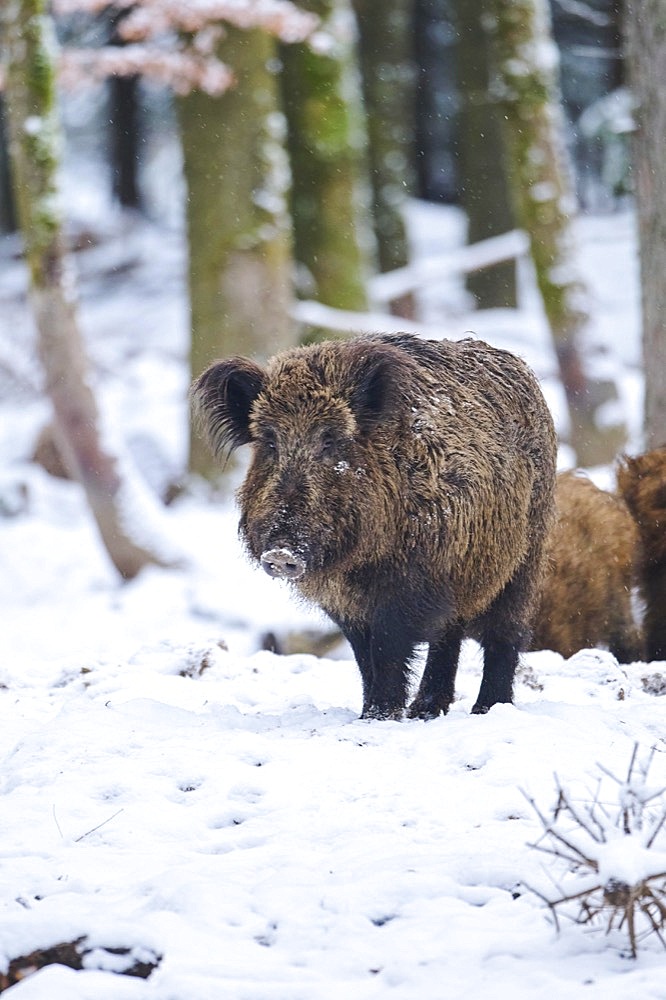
(98, 827)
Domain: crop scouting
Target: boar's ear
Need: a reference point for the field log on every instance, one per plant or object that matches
(374, 382)
(222, 398)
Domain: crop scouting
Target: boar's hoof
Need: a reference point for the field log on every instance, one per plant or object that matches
(283, 563)
(424, 709)
(383, 713)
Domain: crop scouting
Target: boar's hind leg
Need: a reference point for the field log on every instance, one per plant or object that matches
(500, 659)
(503, 631)
(383, 654)
(436, 690)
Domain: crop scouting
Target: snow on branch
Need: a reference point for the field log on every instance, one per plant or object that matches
(174, 42)
(183, 71)
(146, 19)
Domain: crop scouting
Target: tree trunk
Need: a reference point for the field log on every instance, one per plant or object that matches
(387, 64)
(328, 147)
(7, 212)
(484, 193)
(124, 138)
(543, 193)
(34, 132)
(124, 128)
(239, 236)
(435, 44)
(645, 26)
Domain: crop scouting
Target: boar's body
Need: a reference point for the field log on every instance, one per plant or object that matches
(406, 487)
(586, 595)
(642, 484)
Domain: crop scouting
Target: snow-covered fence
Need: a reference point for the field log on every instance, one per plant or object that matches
(387, 287)
(462, 260)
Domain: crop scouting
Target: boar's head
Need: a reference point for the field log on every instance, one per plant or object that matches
(321, 421)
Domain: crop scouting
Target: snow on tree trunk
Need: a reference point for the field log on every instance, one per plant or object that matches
(237, 177)
(328, 147)
(34, 150)
(645, 26)
(386, 54)
(543, 193)
(484, 193)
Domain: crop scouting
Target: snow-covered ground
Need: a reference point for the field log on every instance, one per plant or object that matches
(169, 788)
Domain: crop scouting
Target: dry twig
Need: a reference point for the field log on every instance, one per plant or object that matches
(611, 848)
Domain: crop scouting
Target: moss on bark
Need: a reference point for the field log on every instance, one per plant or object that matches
(543, 192)
(237, 177)
(328, 147)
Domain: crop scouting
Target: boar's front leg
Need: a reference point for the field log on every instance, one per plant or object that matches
(383, 654)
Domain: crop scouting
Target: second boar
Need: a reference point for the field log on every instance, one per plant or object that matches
(586, 597)
(642, 484)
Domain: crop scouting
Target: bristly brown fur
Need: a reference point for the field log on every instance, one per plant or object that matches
(586, 598)
(413, 481)
(642, 484)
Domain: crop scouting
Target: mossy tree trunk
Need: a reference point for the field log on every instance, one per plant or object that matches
(388, 73)
(484, 192)
(327, 143)
(543, 193)
(34, 151)
(237, 177)
(645, 26)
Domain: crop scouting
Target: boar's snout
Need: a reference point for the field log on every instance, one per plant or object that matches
(283, 563)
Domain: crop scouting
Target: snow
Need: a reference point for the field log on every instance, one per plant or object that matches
(169, 787)
(625, 861)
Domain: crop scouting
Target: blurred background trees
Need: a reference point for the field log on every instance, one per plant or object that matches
(302, 134)
(35, 150)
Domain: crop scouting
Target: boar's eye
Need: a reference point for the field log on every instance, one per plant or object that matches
(268, 442)
(326, 446)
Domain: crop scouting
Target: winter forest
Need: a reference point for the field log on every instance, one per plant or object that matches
(208, 792)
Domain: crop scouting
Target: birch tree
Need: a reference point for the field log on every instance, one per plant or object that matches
(645, 26)
(34, 152)
(543, 193)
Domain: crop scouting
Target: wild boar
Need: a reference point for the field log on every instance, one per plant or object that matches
(642, 484)
(586, 596)
(406, 487)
